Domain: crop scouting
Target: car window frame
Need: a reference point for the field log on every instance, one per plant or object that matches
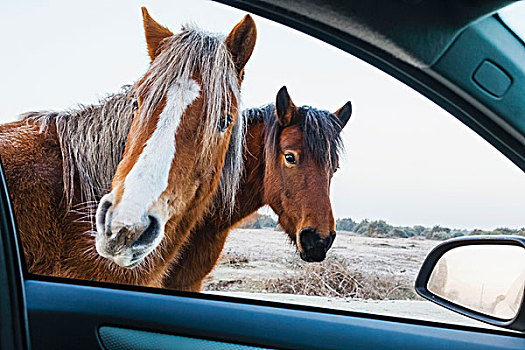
(13, 307)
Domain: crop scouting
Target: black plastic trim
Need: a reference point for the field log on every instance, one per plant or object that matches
(14, 270)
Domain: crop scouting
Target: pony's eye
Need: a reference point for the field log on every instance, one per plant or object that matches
(135, 105)
(224, 121)
(290, 158)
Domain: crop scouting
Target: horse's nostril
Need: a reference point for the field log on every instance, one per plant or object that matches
(101, 217)
(149, 235)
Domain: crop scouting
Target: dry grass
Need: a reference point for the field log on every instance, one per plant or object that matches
(230, 285)
(234, 259)
(332, 278)
(335, 278)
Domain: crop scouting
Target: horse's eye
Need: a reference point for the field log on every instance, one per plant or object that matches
(290, 158)
(224, 121)
(135, 105)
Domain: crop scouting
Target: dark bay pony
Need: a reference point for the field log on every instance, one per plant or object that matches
(161, 144)
(290, 157)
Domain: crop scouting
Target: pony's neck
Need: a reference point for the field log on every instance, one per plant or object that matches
(251, 196)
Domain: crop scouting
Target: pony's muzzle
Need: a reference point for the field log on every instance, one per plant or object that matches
(125, 244)
(314, 247)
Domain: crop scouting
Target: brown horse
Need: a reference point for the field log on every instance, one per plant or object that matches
(290, 156)
(172, 130)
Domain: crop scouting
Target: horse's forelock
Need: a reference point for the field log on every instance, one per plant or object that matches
(322, 136)
(321, 133)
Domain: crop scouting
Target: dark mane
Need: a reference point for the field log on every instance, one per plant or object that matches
(321, 132)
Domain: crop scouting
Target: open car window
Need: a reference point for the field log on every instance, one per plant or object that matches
(409, 175)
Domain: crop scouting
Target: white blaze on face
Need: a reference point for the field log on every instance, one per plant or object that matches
(148, 178)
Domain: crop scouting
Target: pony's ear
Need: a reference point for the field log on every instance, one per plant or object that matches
(241, 41)
(344, 113)
(155, 33)
(284, 107)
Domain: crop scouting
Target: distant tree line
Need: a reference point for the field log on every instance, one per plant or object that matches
(257, 220)
(379, 228)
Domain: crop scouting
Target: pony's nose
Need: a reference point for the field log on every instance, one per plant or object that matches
(314, 247)
(138, 235)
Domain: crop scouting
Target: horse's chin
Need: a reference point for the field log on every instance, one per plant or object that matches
(132, 265)
(318, 257)
(127, 259)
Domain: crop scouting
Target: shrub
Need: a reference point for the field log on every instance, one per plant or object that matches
(401, 232)
(362, 227)
(418, 229)
(500, 231)
(345, 224)
(257, 221)
(266, 221)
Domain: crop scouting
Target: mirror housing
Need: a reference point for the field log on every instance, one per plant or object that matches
(431, 264)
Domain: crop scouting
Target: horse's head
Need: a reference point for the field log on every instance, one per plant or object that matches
(301, 157)
(185, 115)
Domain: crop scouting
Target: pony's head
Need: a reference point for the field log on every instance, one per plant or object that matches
(302, 154)
(186, 113)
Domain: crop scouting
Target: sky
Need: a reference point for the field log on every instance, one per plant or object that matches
(407, 161)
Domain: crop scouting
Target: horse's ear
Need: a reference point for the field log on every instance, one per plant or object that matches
(241, 41)
(344, 113)
(155, 33)
(284, 107)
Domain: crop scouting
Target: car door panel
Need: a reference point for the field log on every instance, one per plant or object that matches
(114, 338)
(54, 307)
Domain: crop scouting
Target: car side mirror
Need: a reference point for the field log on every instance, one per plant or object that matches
(480, 277)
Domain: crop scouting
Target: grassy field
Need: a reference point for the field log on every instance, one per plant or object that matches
(365, 274)
(356, 267)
